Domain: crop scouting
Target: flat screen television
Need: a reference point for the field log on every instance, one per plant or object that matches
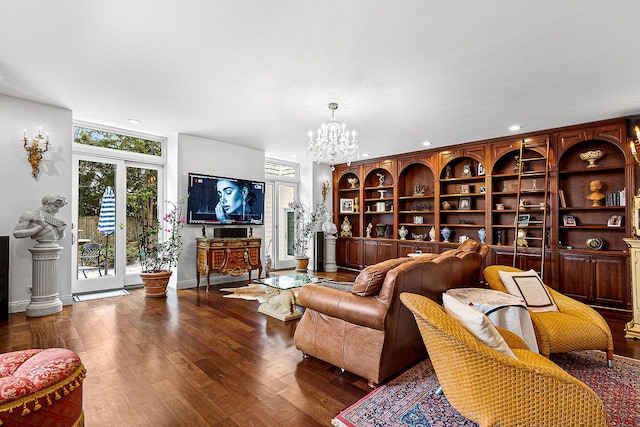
(224, 201)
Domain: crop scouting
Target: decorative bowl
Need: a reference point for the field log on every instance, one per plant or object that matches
(595, 243)
(591, 157)
(418, 236)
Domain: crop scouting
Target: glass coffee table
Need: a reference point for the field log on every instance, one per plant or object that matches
(281, 297)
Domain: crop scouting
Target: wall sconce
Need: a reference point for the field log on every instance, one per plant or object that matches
(35, 151)
(325, 189)
(633, 129)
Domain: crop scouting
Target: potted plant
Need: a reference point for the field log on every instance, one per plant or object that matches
(158, 256)
(306, 221)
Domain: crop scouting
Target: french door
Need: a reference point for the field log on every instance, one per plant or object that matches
(136, 188)
(278, 225)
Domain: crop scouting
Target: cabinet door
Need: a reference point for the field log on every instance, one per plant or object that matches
(406, 247)
(341, 252)
(576, 276)
(354, 253)
(610, 280)
(370, 252)
(387, 249)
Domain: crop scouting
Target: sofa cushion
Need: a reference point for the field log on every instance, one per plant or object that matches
(477, 324)
(369, 281)
(528, 286)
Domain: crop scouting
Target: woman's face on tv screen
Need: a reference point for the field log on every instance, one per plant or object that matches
(230, 197)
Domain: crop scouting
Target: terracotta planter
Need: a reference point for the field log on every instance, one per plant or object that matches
(302, 264)
(155, 284)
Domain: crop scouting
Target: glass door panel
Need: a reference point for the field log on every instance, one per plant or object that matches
(285, 194)
(95, 230)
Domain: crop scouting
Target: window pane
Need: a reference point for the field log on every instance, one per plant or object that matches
(116, 141)
(277, 169)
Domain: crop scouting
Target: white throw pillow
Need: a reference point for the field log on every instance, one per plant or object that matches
(477, 324)
(528, 286)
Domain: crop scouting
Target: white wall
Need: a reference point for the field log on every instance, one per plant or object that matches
(21, 192)
(210, 157)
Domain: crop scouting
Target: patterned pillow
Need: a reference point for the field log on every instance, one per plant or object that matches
(369, 281)
(528, 286)
(477, 324)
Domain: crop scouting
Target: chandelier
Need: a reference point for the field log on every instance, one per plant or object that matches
(333, 142)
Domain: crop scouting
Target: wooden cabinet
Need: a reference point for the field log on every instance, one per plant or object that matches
(473, 187)
(594, 277)
(230, 256)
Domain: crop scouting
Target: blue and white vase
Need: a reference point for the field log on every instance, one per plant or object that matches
(482, 235)
(446, 233)
(432, 234)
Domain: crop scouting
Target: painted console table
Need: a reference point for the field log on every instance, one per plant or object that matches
(231, 256)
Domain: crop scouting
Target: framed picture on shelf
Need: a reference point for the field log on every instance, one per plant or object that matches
(480, 169)
(464, 203)
(615, 221)
(523, 220)
(569, 221)
(465, 189)
(346, 206)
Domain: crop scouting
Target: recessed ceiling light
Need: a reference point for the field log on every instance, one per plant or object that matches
(294, 156)
(514, 128)
(134, 121)
(426, 143)
(365, 154)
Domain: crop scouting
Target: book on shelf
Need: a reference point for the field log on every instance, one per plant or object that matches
(563, 201)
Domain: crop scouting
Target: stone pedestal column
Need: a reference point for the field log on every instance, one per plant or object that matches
(633, 327)
(44, 280)
(330, 253)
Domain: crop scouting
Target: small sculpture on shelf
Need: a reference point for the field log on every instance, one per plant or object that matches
(380, 179)
(419, 207)
(353, 181)
(346, 228)
(369, 229)
(499, 234)
(446, 205)
(382, 193)
(522, 238)
(419, 189)
(356, 204)
(447, 172)
(432, 234)
(516, 167)
(446, 233)
(596, 196)
(591, 157)
(418, 236)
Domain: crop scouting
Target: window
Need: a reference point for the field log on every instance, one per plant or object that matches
(278, 168)
(116, 141)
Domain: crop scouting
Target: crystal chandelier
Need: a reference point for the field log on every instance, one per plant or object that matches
(333, 142)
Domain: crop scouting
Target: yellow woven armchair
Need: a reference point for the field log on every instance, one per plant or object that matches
(575, 327)
(495, 390)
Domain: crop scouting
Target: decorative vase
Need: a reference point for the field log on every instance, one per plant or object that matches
(432, 234)
(446, 233)
(155, 284)
(302, 263)
(482, 235)
(381, 230)
(403, 233)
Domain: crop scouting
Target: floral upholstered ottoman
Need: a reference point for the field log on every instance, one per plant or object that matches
(41, 388)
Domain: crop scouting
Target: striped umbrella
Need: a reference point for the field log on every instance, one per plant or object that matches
(107, 221)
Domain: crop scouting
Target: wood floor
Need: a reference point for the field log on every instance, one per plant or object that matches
(197, 359)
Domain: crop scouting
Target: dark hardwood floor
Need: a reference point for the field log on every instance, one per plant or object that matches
(198, 359)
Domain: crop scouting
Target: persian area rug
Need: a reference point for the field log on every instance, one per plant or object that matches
(252, 291)
(410, 399)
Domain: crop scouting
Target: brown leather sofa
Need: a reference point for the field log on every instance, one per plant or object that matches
(367, 331)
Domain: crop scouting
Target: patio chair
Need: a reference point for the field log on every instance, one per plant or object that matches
(90, 258)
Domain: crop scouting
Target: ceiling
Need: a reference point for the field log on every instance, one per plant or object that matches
(260, 73)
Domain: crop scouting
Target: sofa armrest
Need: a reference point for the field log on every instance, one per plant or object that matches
(363, 311)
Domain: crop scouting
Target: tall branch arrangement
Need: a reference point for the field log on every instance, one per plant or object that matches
(306, 221)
